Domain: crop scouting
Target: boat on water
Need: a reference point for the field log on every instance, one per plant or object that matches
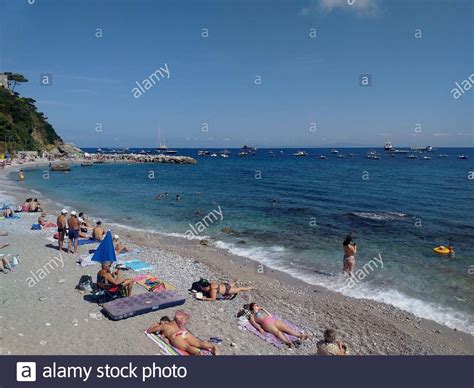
(462, 156)
(388, 146)
(214, 155)
(203, 153)
(100, 151)
(334, 151)
(422, 149)
(372, 155)
(87, 163)
(340, 156)
(224, 156)
(411, 156)
(322, 157)
(245, 150)
(352, 155)
(443, 155)
(300, 153)
(426, 158)
(169, 152)
(224, 152)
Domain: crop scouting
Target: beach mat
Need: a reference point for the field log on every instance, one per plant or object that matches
(141, 304)
(169, 349)
(153, 284)
(86, 241)
(137, 265)
(245, 324)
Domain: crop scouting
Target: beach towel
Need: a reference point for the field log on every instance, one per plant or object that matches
(14, 217)
(85, 241)
(49, 225)
(137, 265)
(169, 349)
(244, 324)
(153, 284)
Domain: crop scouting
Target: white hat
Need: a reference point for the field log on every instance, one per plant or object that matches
(64, 211)
(116, 236)
(73, 213)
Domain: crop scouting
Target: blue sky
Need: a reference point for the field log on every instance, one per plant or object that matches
(212, 80)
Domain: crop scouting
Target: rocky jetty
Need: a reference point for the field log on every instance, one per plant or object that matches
(60, 167)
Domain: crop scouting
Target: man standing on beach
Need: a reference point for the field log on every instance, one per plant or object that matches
(61, 222)
(73, 234)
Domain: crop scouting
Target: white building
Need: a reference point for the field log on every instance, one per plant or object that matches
(3, 81)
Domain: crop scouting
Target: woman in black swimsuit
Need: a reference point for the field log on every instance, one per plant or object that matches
(215, 291)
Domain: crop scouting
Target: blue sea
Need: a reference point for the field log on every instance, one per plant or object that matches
(292, 213)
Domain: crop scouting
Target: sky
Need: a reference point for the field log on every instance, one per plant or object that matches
(262, 73)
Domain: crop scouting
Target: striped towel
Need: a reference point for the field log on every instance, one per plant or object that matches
(169, 349)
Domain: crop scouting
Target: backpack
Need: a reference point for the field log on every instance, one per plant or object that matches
(85, 283)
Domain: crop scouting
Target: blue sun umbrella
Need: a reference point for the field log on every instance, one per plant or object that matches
(106, 250)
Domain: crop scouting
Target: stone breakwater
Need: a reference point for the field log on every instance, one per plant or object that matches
(138, 158)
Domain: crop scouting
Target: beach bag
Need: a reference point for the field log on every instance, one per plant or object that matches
(36, 227)
(85, 283)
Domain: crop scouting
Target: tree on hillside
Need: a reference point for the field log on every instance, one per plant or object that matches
(14, 79)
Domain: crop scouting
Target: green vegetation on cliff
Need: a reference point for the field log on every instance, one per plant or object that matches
(22, 127)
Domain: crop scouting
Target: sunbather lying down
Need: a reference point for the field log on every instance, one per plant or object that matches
(214, 291)
(179, 337)
(263, 321)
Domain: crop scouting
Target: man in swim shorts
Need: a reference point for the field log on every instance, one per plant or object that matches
(73, 234)
(61, 222)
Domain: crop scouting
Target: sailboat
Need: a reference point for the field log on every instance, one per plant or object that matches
(161, 144)
(162, 147)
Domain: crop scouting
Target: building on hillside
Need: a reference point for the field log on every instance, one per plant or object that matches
(3, 81)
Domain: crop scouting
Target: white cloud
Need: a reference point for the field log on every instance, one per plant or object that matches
(360, 7)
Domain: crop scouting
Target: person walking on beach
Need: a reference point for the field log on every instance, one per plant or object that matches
(61, 222)
(350, 249)
(73, 234)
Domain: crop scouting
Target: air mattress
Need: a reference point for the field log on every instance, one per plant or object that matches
(142, 304)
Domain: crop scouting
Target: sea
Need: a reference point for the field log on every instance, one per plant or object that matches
(292, 213)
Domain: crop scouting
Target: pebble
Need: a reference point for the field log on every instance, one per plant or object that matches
(42, 342)
(233, 344)
(61, 280)
(41, 298)
(48, 324)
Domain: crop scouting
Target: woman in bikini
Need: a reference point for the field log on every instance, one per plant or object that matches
(263, 321)
(214, 291)
(179, 337)
(350, 249)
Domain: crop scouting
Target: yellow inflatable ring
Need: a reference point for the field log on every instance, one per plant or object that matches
(441, 250)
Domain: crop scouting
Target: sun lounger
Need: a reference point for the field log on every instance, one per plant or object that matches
(142, 303)
(245, 324)
(152, 283)
(169, 349)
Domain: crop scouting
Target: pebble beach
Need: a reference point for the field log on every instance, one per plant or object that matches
(53, 317)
